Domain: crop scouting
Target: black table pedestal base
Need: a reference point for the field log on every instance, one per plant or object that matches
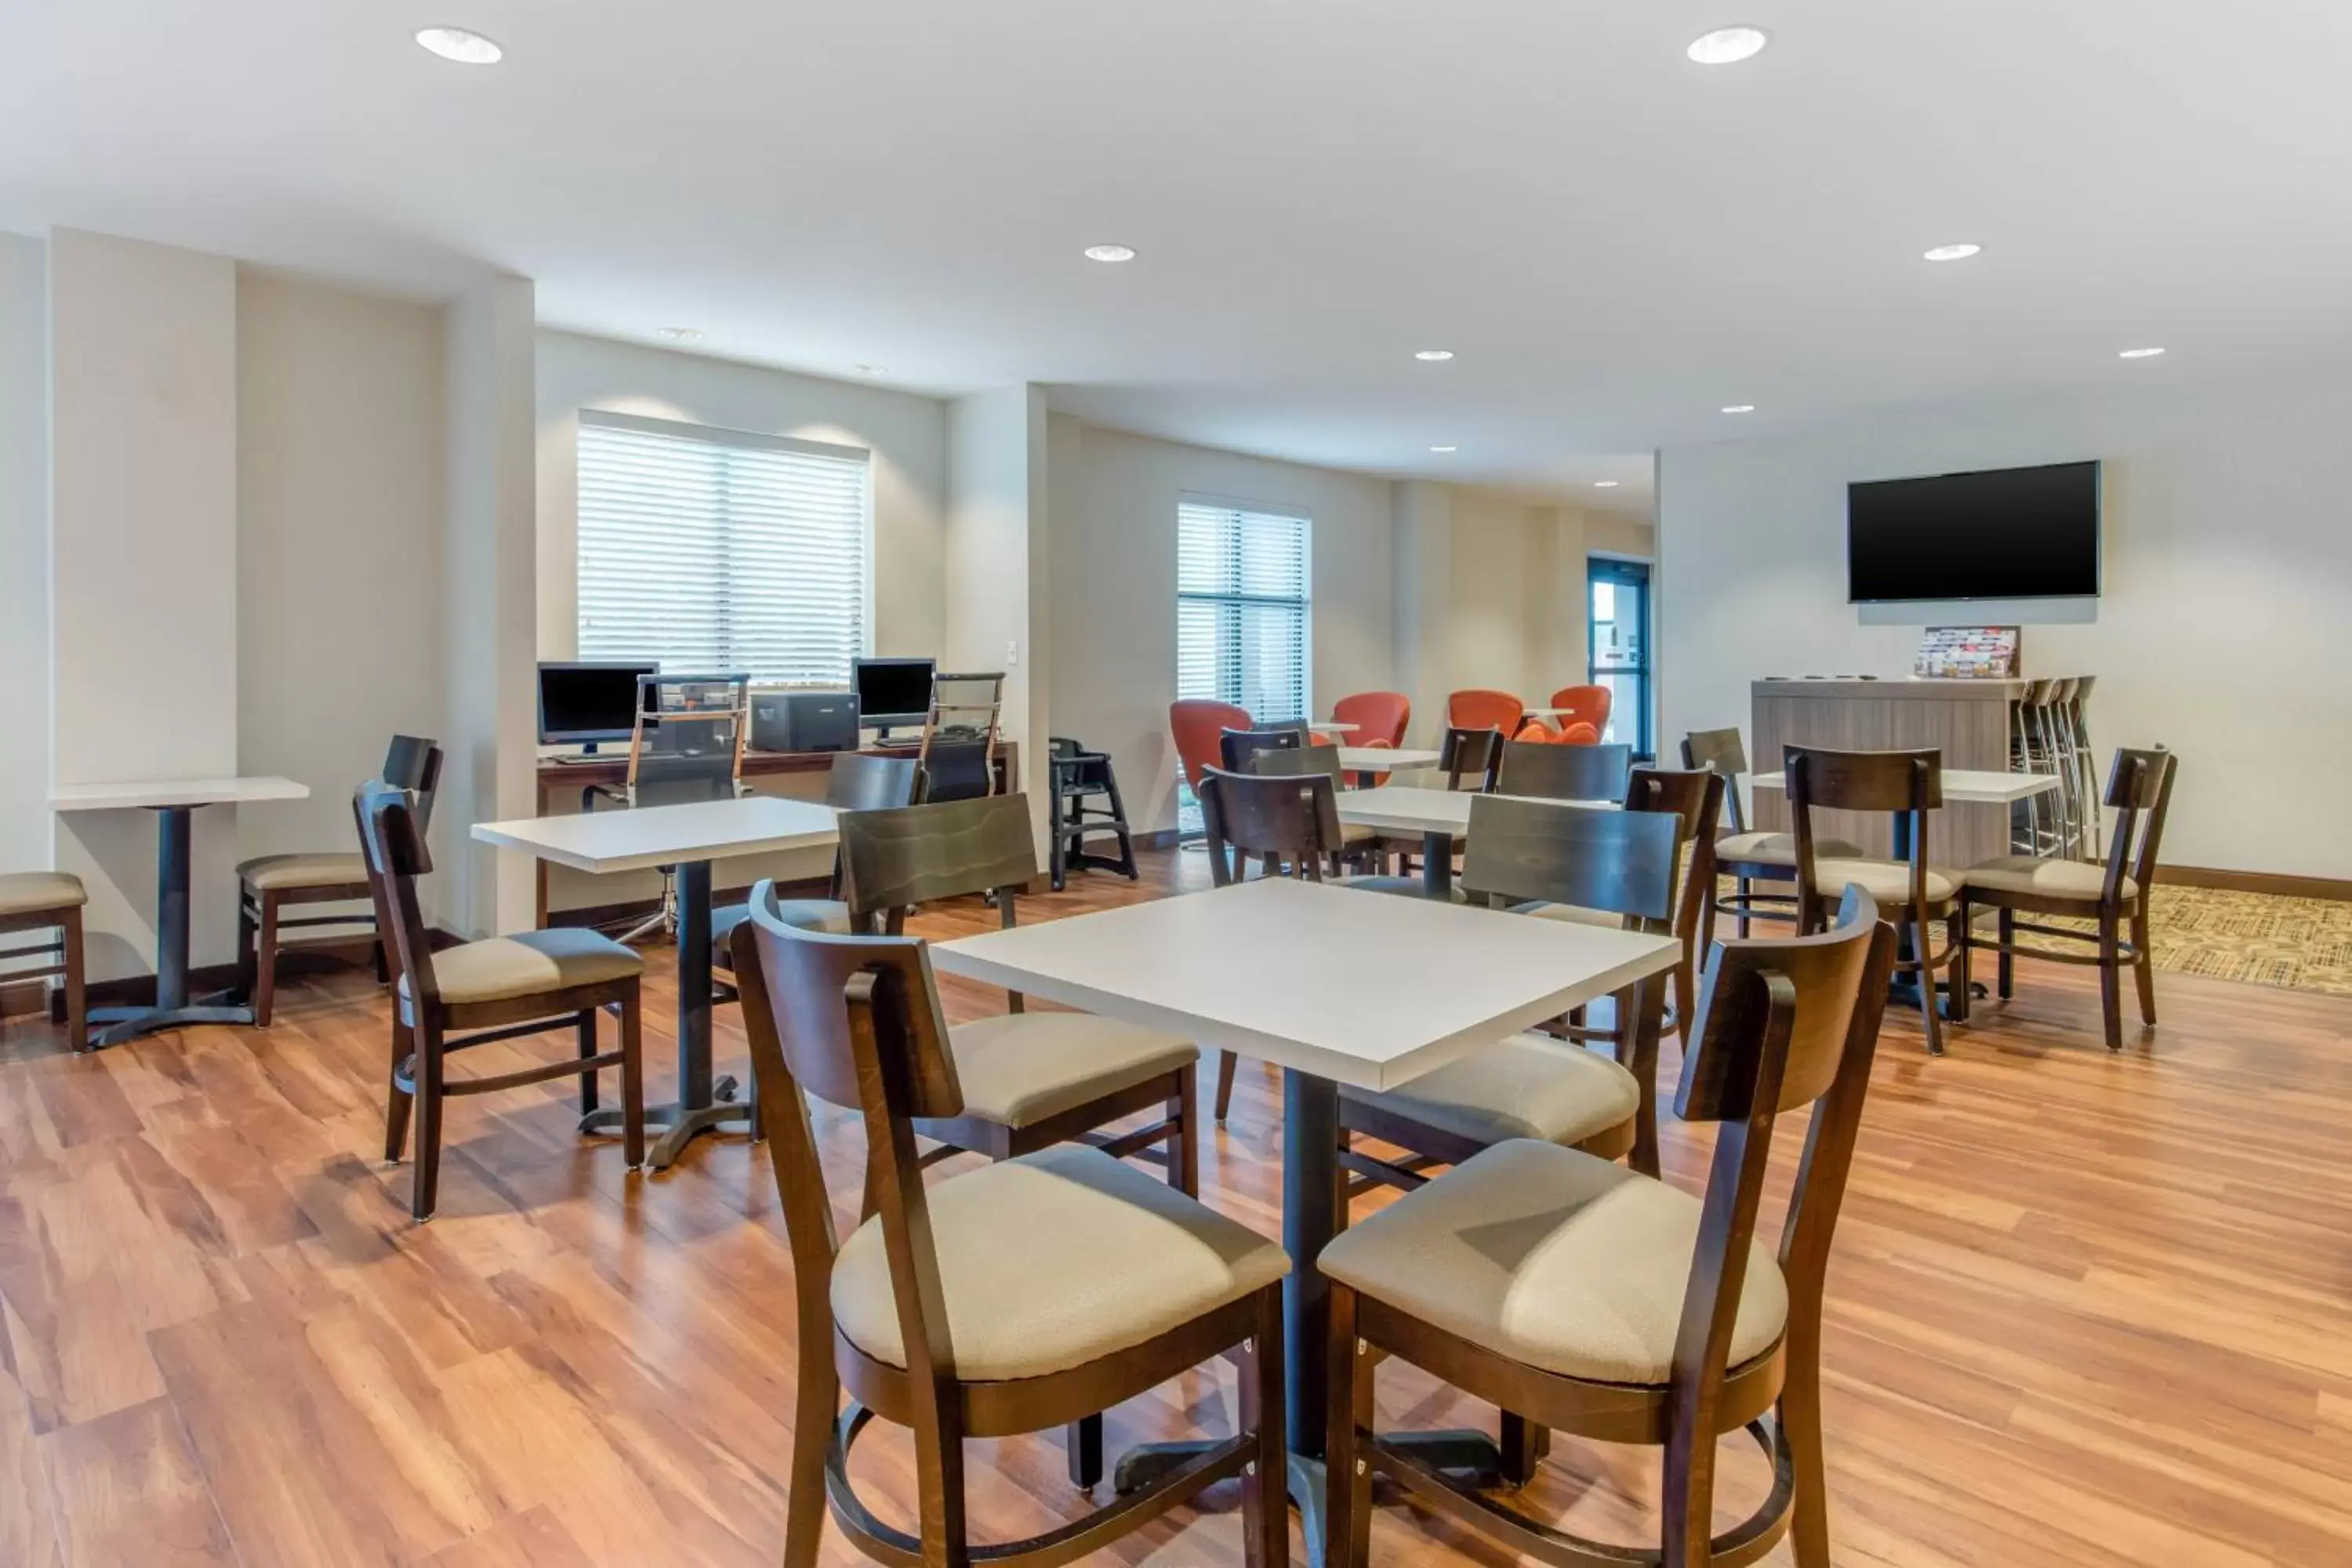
(115, 1026)
(680, 1124)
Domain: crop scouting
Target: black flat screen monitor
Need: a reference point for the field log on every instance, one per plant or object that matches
(892, 690)
(2003, 533)
(590, 701)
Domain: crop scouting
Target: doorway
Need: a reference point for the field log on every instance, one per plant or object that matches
(1618, 619)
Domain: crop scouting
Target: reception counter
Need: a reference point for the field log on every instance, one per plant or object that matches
(1967, 721)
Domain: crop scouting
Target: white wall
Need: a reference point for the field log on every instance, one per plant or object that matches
(340, 499)
(2227, 568)
(906, 434)
(1517, 604)
(1113, 588)
(998, 577)
(144, 577)
(25, 833)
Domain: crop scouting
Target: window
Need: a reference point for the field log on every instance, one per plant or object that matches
(719, 551)
(1241, 609)
(1619, 659)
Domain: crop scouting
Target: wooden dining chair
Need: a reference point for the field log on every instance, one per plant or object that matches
(268, 884)
(1287, 823)
(1238, 750)
(1023, 1295)
(2139, 792)
(1746, 856)
(49, 902)
(1564, 773)
(498, 989)
(1597, 1300)
(1363, 847)
(1908, 785)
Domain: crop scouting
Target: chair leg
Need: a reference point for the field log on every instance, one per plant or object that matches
(424, 1191)
(1523, 1443)
(2006, 970)
(1958, 928)
(1739, 920)
(815, 1405)
(1184, 1134)
(633, 1080)
(77, 992)
(395, 1111)
(2144, 968)
(585, 1027)
(2111, 983)
(1801, 1427)
(1226, 1062)
(1347, 1500)
(1922, 934)
(1685, 1003)
(1265, 1482)
(248, 942)
(265, 974)
(1686, 1509)
(383, 964)
(1085, 1452)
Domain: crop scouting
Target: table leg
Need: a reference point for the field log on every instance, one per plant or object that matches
(175, 831)
(1437, 865)
(703, 1104)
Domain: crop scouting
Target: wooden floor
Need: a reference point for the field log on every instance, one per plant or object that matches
(2084, 1310)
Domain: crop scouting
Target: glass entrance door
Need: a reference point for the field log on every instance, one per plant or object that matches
(1619, 655)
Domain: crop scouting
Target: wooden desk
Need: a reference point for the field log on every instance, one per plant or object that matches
(1967, 721)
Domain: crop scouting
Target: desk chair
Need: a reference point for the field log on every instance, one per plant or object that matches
(270, 883)
(687, 746)
(48, 900)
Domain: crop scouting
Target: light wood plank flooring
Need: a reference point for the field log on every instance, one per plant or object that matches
(2084, 1310)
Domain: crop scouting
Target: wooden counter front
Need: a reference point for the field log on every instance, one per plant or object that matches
(1967, 721)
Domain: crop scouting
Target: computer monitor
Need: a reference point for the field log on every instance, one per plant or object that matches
(892, 691)
(585, 702)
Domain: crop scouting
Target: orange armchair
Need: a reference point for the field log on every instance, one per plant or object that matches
(1199, 726)
(1380, 717)
(1483, 710)
(1583, 705)
(1577, 733)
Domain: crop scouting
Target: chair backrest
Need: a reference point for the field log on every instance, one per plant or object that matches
(1782, 1023)
(959, 769)
(1297, 761)
(1911, 783)
(392, 843)
(1721, 752)
(854, 1021)
(1619, 862)
(689, 738)
(1238, 749)
(1195, 724)
(413, 763)
(2139, 792)
(892, 860)
(1291, 822)
(861, 781)
(1479, 709)
(1584, 705)
(1564, 773)
(1694, 798)
(1471, 755)
(1381, 717)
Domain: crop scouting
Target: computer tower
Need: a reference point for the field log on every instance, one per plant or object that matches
(804, 721)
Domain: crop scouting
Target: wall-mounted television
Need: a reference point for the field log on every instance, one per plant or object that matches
(2000, 534)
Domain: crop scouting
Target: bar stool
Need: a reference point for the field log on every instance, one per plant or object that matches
(2086, 768)
(2067, 766)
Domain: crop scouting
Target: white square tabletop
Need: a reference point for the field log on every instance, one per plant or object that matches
(1385, 759)
(1356, 987)
(1398, 809)
(1973, 785)
(652, 836)
(165, 793)
(1335, 726)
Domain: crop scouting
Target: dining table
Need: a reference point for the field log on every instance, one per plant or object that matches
(686, 839)
(1337, 988)
(1439, 815)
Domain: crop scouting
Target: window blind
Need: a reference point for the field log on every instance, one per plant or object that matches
(718, 551)
(1241, 609)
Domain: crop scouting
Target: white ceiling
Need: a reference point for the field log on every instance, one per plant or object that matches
(1615, 242)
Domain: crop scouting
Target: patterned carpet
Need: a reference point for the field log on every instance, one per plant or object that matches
(2300, 945)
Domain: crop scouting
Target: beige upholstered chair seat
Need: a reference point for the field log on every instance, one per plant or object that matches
(1021, 1068)
(2045, 879)
(23, 893)
(1888, 881)
(1561, 1261)
(828, 915)
(530, 962)
(1528, 1086)
(1055, 1259)
(1777, 848)
(293, 873)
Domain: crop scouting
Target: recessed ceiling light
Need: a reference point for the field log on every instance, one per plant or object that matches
(1727, 46)
(1434, 355)
(869, 369)
(1953, 252)
(1740, 408)
(2139, 353)
(679, 334)
(1605, 484)
(1110, 253)
(458, 44)
(1445, 448)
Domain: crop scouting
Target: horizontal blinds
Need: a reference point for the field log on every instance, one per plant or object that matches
(710, 554)
(1241, 609)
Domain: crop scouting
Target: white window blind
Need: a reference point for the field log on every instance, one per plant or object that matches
(721, 551)
(1241, 609)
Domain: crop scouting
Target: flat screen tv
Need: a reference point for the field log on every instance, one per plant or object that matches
(2001, 533)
